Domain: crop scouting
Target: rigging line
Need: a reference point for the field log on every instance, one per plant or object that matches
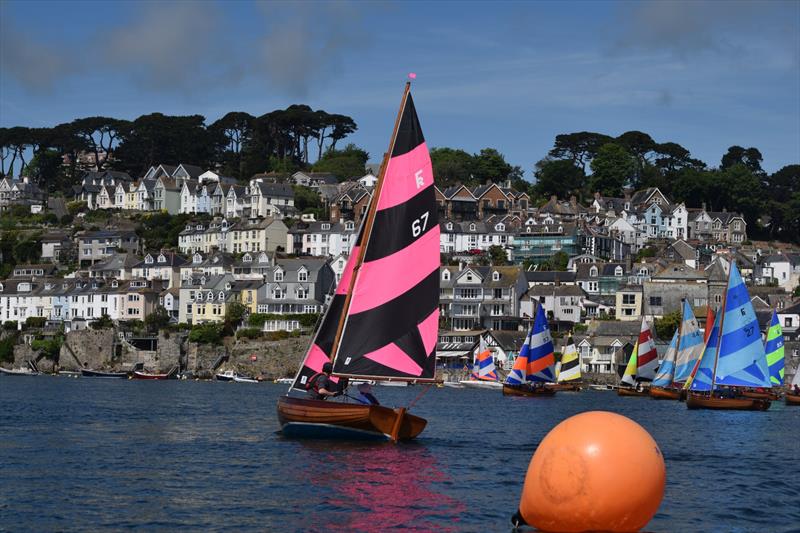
(419, 396)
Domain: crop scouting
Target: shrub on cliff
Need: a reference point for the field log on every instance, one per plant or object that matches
(210, 333)
(35, 321)
(102, 323)
(248, 333)
(7, 349)
(277, 335)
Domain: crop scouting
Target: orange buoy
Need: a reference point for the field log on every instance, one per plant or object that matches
(595, 471)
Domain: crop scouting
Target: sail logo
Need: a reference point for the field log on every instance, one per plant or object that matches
(420, 180)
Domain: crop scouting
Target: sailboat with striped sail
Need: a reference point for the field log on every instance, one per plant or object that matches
(535, 364)
(568, 369)
(374, 328)
(793, 396)
(688, 349)
(641, 367)
(661, 386)
(484, 372)
(775, 351)
(734, 356)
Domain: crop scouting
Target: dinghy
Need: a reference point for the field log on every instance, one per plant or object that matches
(535, 365)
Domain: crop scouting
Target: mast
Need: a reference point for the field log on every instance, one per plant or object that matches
(368, 223)
(721, 323)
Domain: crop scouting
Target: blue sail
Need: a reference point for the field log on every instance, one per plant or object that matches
(667, 368)
(775, 351)
(690, 344)
(519, 372)
(703, 378)
(742, 360)
(542, 361)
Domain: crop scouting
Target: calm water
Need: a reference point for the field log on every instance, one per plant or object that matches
(81, 454)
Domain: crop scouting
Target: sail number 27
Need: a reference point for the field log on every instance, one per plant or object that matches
(419, 225)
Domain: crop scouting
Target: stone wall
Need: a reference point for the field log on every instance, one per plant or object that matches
(90, 348)
(274, 359)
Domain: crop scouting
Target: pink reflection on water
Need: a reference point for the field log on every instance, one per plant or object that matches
(385, 486)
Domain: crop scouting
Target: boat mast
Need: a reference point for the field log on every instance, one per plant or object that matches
(721, 322)
(368, 223)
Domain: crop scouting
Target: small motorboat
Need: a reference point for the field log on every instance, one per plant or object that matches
(88, 373)
(630, 391)
(285, 381)
(481, 384)
(244, 379)
(140, 374)
(601, 387)
(228, 375)
(18, 372)
(68, 373)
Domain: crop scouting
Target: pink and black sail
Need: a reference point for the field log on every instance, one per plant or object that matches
(319, 352)
(392, 320)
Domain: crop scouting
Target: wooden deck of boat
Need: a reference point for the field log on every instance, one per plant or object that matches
(698, 401)
(511, 390)
(625, 391)
(373, 419)
(662, 393)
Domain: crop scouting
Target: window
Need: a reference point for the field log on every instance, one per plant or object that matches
(302, 294)
(655, 301)
(445, 275)
(628, 299)
(788, 322)
(498, 294)
(627, 312)
(277, 294)
(302, 275)
(593, 272)
(495, 276)
(717, 298)
(592, 286)
(279, 275)
(310, 309)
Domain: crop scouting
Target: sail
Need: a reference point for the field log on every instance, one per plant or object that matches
(690, 345)
(775, 351)
(796, 379)
(319, 352)
(570, 364)
(484, 369)
(667, 367)
(392, 319)
(629, 377)
(703, 376)
(542, 360)
(646, 356)
(742, 360)
(519, 371)
(709, 324)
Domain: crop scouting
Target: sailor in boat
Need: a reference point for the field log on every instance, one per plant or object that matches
(321, 387)
(365, 395)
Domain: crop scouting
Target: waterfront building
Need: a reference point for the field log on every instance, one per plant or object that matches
(322, 238)
(295, 286)
(94, 246)
(163, 266)
(470, 236)
(538, 242)
(477, 297)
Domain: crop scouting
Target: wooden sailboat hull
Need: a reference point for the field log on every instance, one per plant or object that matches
(663, 393)
(6, 372)
(87, 373)
(301, 417)
(146, 375)
(522, 390)
(625, 391)
(760, 395)
(792, 399)
(564, 387)
(698, 401)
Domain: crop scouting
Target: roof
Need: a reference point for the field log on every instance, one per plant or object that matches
(550, 276)
(678, 271)
(281, 190)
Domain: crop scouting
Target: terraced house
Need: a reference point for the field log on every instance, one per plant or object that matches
(295, 286)
(480, 297)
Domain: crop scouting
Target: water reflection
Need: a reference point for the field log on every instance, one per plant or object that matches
(369, 487)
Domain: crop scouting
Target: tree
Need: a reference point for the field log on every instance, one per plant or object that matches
(667, 325)
(101, 135)
(307, 200)
(157, 319)
(611, 170)
(498, 255)
(234, 313)
(749, 157)
(451, 165)
(740, 190)
(230, 134)
(346, 163)
(46, 167)
(104, 322)
(558, 177)
(580, 148)
(638, 144)
(780, 190)
(490, 164)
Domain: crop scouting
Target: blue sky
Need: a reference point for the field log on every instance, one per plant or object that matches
(507, 75)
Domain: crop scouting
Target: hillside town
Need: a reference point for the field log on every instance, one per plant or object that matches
(247, 251)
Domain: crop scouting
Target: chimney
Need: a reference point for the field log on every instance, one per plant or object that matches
(724, 209)
(704, 206)
(573, 201)
(460, 266)
(553, 198)
(626, 194)
(597, 195)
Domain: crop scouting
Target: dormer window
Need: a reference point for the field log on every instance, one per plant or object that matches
(148, 259)
(277, 293)
(199, 227)
(247, 258)
(221, 295)
(227, 287)
(162, 259)
(495, 276)
(349, 225)
(445, 275)
(449, 225)
(326, 226)
(279, 275)
(115, 284)
(472, 227)
(500, 227)
(197, 258)
(618, 271)
(528, 229)
(200, 296)
(302, 275)
(593, 272)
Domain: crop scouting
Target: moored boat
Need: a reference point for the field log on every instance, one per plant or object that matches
(88, 373)
(141, 374)
(484, 373)
(244, 379)
(629, 391)
(18, 372)
(703, 401)
(568, 370)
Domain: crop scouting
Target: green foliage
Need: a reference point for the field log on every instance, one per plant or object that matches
(666, 326)
(16, 248)
(249, 333)
(35, 322)
(558, 262)
(580, 147)
(648, 251)
(104, 322)
(277, 335)
(307, 200)
(157, 319)
(453, 165)
(7, 349)
(234, 313)
(9, 325)
(161, 230)
(306, 320)
(580, 328)
(558, 177)
(75, 207)
(612, 168)
(209, 333)
(498, 255)
(50, 348)
(346, 163)
(796, 291)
